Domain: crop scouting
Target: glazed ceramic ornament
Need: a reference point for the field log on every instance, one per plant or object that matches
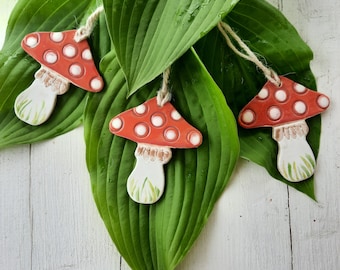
(285, 109)
(63, 61)
(156, 129)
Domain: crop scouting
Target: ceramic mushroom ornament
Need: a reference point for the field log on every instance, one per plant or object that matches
(285, 109)
(156, 129)
(63, 61)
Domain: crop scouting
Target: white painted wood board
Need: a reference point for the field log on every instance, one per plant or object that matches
(48, 219)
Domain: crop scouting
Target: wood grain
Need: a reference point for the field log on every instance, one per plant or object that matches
(48, 219)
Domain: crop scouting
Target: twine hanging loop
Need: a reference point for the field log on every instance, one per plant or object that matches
(248, 54)
(85, 31)
(163, 94)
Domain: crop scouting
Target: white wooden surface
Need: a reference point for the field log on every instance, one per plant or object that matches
(48, 219)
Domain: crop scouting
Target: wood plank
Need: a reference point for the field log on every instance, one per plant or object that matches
(15, 209)
(316, 226)
(48, 219)
(67, 230)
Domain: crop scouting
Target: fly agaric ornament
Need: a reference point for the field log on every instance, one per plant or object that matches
(155, 129)
(63, 61)
(285, 108)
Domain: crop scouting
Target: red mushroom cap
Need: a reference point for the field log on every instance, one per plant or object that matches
(151, 124)
(59, 52)
(289, 102)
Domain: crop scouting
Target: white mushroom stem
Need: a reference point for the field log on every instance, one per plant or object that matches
(35, 104)
(295, 160)
(146, 182)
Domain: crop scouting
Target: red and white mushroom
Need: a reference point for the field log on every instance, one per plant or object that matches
(285, 109)
(155, 129)
(63, 61)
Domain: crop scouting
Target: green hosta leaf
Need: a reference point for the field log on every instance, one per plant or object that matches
(17, 68)
(276, 42)
(150, 35)
(158, 236)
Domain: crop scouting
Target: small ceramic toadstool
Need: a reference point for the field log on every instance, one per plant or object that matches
(155, 129)
(63, 61)
(285, 109)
